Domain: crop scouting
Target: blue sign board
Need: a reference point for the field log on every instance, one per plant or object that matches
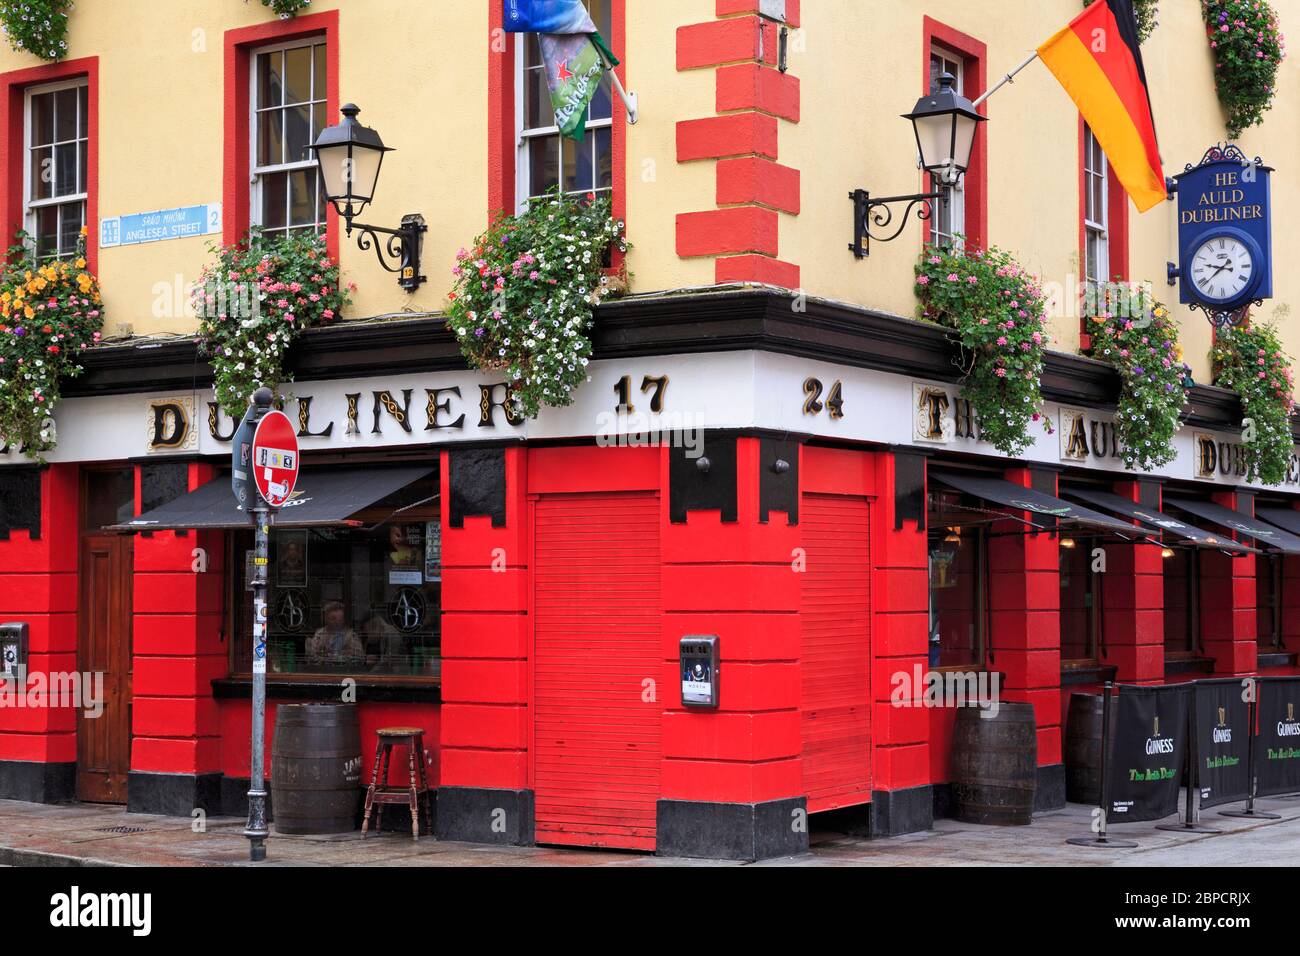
(1225, 236)
(140, 227)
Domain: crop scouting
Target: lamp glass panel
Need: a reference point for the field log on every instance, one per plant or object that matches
(333, 168)
(934, 134)
(365, 172)
(965, 140)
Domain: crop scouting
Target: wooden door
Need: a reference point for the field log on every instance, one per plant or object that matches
(597, 640)
(104, 646)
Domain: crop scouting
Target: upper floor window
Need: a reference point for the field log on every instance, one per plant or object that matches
(948, 220)
(54, 207)
(1096, 210)
(547, 159)
(289, 84)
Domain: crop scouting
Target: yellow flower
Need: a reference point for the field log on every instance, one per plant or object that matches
(84, 230)
(29, 312)
(81, 263)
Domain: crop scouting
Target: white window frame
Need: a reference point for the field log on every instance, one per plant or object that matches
(30, 205)
(1098, 225)
(957, 195)
(256, 172)
(524, 135)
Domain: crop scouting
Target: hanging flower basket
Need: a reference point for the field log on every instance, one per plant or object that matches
(1146, 12)
(284, 9)
(996, 311)
(1248, 48)
(1250, 361)
(254, 300)
(1141, 341)
(38, 27)
(49, 313)
(525, 295)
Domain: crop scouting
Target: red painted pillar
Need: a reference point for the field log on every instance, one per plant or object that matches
(178, 650)
(1025, 628)
(1132, 600)
(903, 730)
(1228, 600)
(38, 585)
(731, 779)
(484, 794)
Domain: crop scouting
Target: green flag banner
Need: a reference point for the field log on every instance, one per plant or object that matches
(575, 65)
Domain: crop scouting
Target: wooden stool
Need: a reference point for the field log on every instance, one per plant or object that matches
(380, 793)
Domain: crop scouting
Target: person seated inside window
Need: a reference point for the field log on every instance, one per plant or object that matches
(335, 643)
(386, 642)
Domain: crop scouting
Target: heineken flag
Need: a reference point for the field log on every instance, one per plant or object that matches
(1277, 746)
(574, 54)
(1221, 720)
(1149, 753)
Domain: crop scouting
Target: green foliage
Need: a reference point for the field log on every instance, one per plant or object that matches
(1146, 12)
(49, 312)
(1248, 49)
(39, 27)
(997, 311)
(1250, 361)
(524, 297)
(1142, 344)
(284, 9)
(254, 300)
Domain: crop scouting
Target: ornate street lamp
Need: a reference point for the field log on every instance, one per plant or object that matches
(945, 124)
(349, 157)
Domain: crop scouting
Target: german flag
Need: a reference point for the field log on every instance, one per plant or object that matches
(1098, 61)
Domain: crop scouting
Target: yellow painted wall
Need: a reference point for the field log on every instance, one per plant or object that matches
(419, 71)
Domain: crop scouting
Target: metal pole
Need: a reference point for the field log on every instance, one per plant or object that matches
(629, 99)
(256, 829)
(1008, 78)
(1105, 739)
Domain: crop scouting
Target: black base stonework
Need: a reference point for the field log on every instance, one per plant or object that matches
(478, 815)
(1050, 791)
(234, 798)
(732, 831)
(173, 794)
(35, 782)
(895, 812)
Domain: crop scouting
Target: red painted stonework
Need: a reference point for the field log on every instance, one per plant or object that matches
(727, 231)
(758, 181)
(751, 86)
(739, 134)
(760, 269)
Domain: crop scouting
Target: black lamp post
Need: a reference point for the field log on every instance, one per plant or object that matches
(945, 124)
(349, 157)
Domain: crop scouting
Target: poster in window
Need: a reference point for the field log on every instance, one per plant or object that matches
(291, 559)
(433, 551)
(942, 576)
(406, 554)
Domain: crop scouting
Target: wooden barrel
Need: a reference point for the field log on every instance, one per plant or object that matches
(316, 768)
(995, 765)
(1083, 749)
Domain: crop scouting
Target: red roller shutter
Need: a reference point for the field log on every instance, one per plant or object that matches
(596, 626)
(836, 660)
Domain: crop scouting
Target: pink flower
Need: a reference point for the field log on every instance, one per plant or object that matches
(1002, 340)
(953, 277)
(1000, 372)
(923, 280)
(972, 280)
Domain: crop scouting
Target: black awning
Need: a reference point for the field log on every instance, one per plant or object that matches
(1004, 493)
(1154, 518)
(1263, 533)
(323, 498)
(1284, 518)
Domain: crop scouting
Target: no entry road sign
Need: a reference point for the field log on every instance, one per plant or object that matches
(275, 458)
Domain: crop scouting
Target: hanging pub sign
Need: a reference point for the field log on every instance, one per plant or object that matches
(1221, 725)
(1149, 753)
(1277, 741)
(1225, 237)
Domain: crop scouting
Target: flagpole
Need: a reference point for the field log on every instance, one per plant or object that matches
(629, 99)
(1008, 78)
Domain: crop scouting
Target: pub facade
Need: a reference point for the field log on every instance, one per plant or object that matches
(769, 450)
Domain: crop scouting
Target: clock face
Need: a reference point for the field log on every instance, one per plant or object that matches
(1222, 269)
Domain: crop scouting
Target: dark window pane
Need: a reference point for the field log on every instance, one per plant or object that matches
(70, 221)
(270, 141)
(297, 75)
(65, 114)
(42, 119)
(604, 143)
(82, 165)
(110, 497)
(47, 231)
(274, 200)
(955, 597)
(543, 165)
(1267, 604)
(297, 133)
(319, 120)
(569, 152)
(65, 169)
(269, 84)
(538, 110)
(1178, 620)
(321, 78)
(302, 197)
(83, 114)
(42, 172)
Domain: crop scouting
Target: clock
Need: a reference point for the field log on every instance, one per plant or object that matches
(1225, 269)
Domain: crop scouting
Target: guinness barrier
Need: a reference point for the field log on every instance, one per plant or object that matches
(1230, 739)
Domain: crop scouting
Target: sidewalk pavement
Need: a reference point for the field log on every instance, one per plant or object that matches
(82, 834)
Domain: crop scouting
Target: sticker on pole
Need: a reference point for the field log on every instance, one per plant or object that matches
(275, 458)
